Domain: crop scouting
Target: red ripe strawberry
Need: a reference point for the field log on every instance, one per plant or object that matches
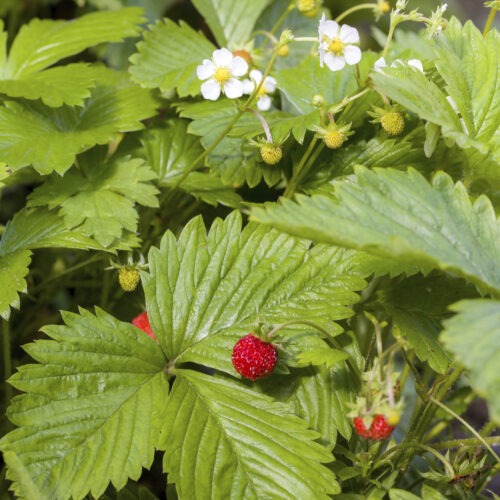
(361, 429)
(142, 322)
(380, 429)
(253, 358)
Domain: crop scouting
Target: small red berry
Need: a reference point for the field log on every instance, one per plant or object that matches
(142, 322)
(361, 429)
(380, 429)
(253, 358)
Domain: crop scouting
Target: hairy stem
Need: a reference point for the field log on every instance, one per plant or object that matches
(293, 184)
(361, 6)
(489, 21)
(265, 126)
(457, 443)
(467, 425)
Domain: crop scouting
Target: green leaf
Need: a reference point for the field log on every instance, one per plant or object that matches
(17, 473)
(400, 216)
(251, 446)
(28, 230)
(92, 409)
(55, 86)
(168, 57)
(322, 356)
(473, 336)
(302, 83)
(231, 22)
(170, 151)
(13, 269)
(101, 195)
(204, 291)
(395, 494)
(469, 66)
(49, 139)
(41, 43)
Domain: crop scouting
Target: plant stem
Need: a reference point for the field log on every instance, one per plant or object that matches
(7, 359)
(292, 185)
(456, 443)
(489, 21)
(223, 134)
(389, 37)
(282, 18)
(265, 126)
(361, 6)
(467, 425)
(429, 449)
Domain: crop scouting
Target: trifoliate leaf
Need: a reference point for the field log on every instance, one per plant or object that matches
(322, 356)
(400, 216)
(31, 229)
(237, 431)
(231, 22)
(41, 43)
(49, 139)
(204, 291)
(473, 336)
(93, 406)
(170, 151)
(301, 84)
(101, 195)
(168, 57)
(470, 68)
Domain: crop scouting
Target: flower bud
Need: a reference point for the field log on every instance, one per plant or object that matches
(284, 51)
(318, 101)
(308, 7)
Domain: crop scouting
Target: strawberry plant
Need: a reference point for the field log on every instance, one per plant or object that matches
(249, 250)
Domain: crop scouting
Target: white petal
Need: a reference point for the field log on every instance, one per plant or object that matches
(256, 76)
(379, 64)
(210, 89)
(248, 86)
(329, 29)
(233, 88)
(349, 34)
(321, 56)
(239, 66)
(452, 102)
(464, 126)
(335, 63)
(264, 103)
(416, 63)
(270, 84)
(222, 57)
(205, 70)
(352, 54)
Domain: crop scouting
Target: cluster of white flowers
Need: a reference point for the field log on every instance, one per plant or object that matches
(414, 63)
(337, 45)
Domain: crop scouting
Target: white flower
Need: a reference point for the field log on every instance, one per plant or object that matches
(268, 87)
(336, 45)
(220, 73)
(414, 63)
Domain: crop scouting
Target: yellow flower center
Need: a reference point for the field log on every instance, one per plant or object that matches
(336, 46)
(261, 91)
(222, 75)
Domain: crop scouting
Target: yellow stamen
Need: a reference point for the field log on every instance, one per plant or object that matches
(261, 91)
(336, 46)
(222, 75)
(385, 7)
